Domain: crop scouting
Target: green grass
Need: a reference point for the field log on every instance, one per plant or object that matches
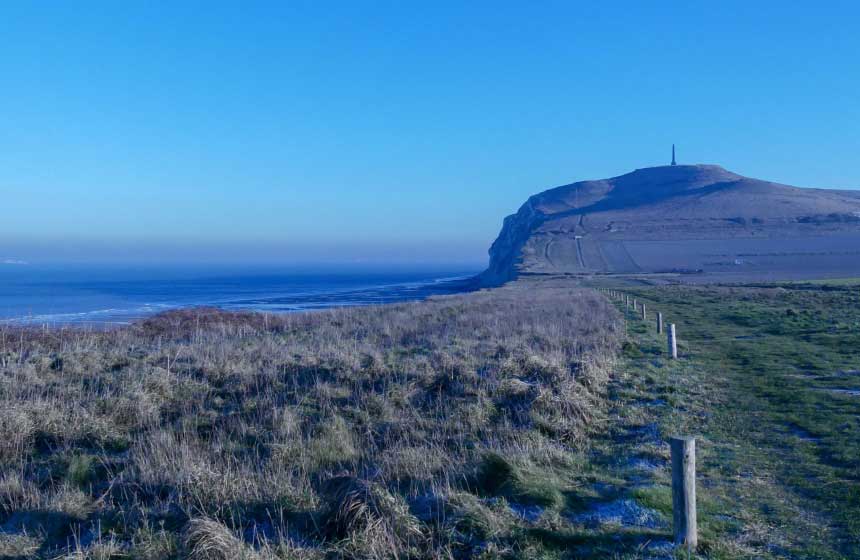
(779, 450)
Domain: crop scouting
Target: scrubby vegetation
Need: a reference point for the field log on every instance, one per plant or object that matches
(423, 430)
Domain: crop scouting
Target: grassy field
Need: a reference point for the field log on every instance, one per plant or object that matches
(527, 422)
(769, 379)
(452, 428)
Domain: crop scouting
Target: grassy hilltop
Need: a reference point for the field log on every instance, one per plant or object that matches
(525, 422)
(681, 218)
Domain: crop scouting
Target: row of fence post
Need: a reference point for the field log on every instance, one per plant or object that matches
(684, 526)
(671, 336)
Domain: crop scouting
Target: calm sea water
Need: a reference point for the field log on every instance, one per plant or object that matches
(117, 295)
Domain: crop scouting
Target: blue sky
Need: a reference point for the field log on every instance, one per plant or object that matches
(391, 131)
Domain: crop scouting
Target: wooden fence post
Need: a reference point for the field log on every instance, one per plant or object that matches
(659, 323)
(627, 305)
(672, 342)
(644, 316)
(684, 491)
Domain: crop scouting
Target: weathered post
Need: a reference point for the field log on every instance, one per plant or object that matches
(672, 342)
(627, 305)
(659, 323)
(644, 316)
(684, 491)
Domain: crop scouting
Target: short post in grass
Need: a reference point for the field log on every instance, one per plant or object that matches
(672, 342)
(659, 323)
(644, 316)
(627, 304)
(684, 491)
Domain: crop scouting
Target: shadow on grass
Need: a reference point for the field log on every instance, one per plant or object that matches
(594, 541)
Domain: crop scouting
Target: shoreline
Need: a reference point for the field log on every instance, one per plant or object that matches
(284, 304)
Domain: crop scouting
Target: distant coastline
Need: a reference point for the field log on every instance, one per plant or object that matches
(117, 298)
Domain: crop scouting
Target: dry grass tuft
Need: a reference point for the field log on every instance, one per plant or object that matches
(369, 520)
(207, 539)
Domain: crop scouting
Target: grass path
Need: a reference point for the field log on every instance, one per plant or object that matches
(778, 447)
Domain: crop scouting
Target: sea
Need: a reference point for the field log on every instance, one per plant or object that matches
(111, 295)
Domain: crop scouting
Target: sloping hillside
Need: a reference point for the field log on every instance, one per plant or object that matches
(679, 218)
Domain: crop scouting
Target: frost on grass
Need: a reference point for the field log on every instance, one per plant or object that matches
(624, 512)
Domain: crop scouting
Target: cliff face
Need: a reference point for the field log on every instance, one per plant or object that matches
(623, 224)
(506, 249)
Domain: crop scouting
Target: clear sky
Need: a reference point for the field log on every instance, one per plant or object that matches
(391, 130)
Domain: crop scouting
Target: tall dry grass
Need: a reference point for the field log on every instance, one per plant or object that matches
(397, 431)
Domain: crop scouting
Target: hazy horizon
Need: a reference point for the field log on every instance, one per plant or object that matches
(146, 253)
(389, 132)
